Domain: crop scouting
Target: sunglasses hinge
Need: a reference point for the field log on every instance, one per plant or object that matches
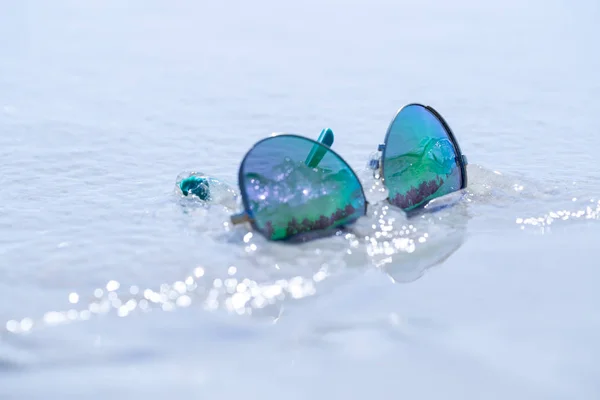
(374, 164)
(240, 218)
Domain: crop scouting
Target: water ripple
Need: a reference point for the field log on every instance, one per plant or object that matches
(258, 277)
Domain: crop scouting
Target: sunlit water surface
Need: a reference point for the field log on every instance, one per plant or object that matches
(113, 284)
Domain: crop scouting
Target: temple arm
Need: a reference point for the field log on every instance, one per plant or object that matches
(318, 152)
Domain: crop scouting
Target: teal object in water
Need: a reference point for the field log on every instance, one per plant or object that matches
(208, 189)
(197, 186)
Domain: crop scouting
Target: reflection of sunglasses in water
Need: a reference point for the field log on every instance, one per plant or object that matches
(295, 187)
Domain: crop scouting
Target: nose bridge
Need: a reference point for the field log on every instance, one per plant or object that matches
(375, 158)
(374, 163)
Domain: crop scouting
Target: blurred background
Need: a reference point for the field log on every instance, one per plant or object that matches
(111, 284)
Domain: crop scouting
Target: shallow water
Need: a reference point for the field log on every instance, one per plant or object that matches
(113, 285)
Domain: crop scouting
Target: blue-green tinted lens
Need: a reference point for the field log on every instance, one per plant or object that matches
(420, 161)
(286, 198)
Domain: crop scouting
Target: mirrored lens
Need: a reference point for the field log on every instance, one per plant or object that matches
(285, 197)
(420, 160)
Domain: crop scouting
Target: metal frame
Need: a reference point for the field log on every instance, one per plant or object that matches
(459, 156)
(245, 215)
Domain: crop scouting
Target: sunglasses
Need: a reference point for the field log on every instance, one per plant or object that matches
(293, 187)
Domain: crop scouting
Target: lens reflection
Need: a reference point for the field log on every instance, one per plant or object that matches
(287, 198)
(420, 160)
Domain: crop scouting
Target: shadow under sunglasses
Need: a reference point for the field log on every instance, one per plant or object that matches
(295, 188)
